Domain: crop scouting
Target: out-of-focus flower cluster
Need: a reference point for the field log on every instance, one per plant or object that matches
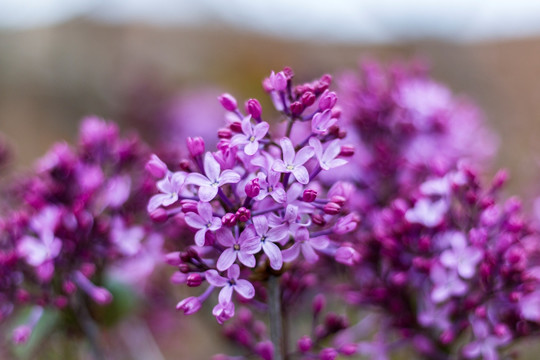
(80, 216)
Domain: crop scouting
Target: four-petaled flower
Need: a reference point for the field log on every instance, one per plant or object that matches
(461, 257)
(209, 184)
(242, 248)
(170, 186)
(446, 284)
(293, 162)
(230, 283)
(270, 185)
(267, 238)
(204, 221)
(302, 242)
(327, 159)
(250, 136)
(322, 121)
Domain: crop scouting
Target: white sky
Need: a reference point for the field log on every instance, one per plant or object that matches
(336, 20)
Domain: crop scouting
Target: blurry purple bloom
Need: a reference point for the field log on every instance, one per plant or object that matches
(346, 224)
(446, 284)
(170, 186)
(292, 162)
(230, 283)
(347, 256)
(270, 185)
(250, 135)
(461, 257)
(267, 238)
(209, 184)
(278, 82)
(126, 240)
(427, 212)
(223, 312)
(321, 122)
(204, 221)
(302, 242)
(189, 305)
(485, 344)
(156, 167)
(327, 159)
(242, 248)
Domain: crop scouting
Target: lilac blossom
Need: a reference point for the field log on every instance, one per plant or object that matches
(293, 162)
(305, 244)
(230, 283)
(242, 248)
(170, 186)
(203, 221)
(267, 237)
(461, 257)
(251, 135)
(322, 122)
(271, 185)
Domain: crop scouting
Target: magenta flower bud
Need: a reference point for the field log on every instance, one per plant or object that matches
(318, 219)
(318, 304)
(447, 337)
(21, 334)
(243, 214)
(236, 126)
(254, 108)
(228, 102)
(69, 287)
(194, 280)
(178, 278)
(481, 312)
(253, 188)
(348, 349)
(331, 208)
(60, 302)
(346, 224)
(336, 113)
(101, 295)
(156, 167)
(304, 344)
(514, 296)
(195, 146)
(327, 100)
(224, 133)
(22, 296)
(296, 108)
(278, 81)
(326, 80)
(347, 256)
(328, 354)
(159, 215)
(229, 219)
(173, 258)
(338, 199)
(189, 305)
(309, 195)
(289, 73)
(346, 151)
(188, 206)
(265, 349)
(183, 268)
(308, 98)
(184, 164)
(501, 330)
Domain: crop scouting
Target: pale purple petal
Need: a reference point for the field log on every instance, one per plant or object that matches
(301, 174)
(207, 193)
(319, 242)
(170, 199)
(234, 272)
(228, 177)
(260, 130)
(251, 147)
(303, 155)
(440, 294)
(274, 255)
(244, 288)
(215, 224)
(291, 253)
(195, 221)
(248, 235)
(197, 179)
(205, 211)
(449, 259)
(215, 279)
(261, 224)
(156, 201)
(335, 163)
(279, 195)
(211, 166)
(246, 258)
(200, 237)
(280, 166)
(225, 237)
(278, 233)
(309, 254)
(239, 139)
(317, 147)
(225, 294)
(226, 259)
(288, 150)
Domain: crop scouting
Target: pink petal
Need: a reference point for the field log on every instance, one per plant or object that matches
(197, 179)
(280, 166)
(226, 259)
(207, 193)
(274, 255)
(195, 221)
(319, 242)
(233, 272)
(228, 177)
(279, 195)
(246, 126)
(244, 288)
(251, 147)
(200, 237)
(261, 224)
(288, 150)
(215, 279)
(317, 147)
(225, 294)
(246, 258)
(303, 155)
(225, 237)
(239, 139)
(309, 254)
(278, 233)
(260, 130)
(291, 253)
(301, 174)
(156, 201)
(205, 211)
(211, 167)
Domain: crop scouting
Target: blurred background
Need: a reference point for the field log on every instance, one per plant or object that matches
(142, 62)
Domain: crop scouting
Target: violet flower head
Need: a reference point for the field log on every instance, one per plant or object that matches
(293, 162)
(203, 221)
(230, 283)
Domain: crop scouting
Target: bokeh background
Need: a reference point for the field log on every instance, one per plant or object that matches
(142, 62)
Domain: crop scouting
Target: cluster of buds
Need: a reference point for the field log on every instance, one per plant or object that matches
(80, 218)
(255, 204)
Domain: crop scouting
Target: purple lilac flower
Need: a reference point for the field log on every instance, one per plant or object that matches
(242, 248)
(293, 162)
(251, 135)
(203, 221)
(267, 237)
(230, 283)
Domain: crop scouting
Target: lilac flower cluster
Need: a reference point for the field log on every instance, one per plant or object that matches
(80, 217)
(255, 204)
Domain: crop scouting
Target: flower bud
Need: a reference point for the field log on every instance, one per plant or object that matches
(327, 100)
(309, 195)
(21, 334)
(289, 73)
(156, 167)
(296, 108)
(328, 354)
(229, 219)
(173, 258)
(254, 108)
(331, 208)
(178, 278)
(253, 188)
(195, 146)
(265, 349)
(243, 214)
(194, 280)
(236, 126)
(101, 295)
(308, 98)
(189, 305)
(346, 151)
(69, 287)
(319, 302)
(338, 199)
(347, 256)
(184, 164)
(278, 81)
(224, 133)
(348, 349)
(159, 215)
(318, 219)
(228, 102)
(304, 344)
(188, 206)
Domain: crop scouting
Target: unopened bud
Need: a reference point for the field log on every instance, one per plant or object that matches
(229, 219)
(254, 108)
(346, 150)
(156, 167)
(332, 208)
(224, 133)
(188, 206)
(304, 344)
(308, 98)
(243, 214)
(296, 108)
(318, 219)
(338, 199)
(253, 188)
(309, 195)
(194, 280)
(159, 215)
(195, 146)
(319, 302)
(228, 102)
(236, 126)
(327, 100)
